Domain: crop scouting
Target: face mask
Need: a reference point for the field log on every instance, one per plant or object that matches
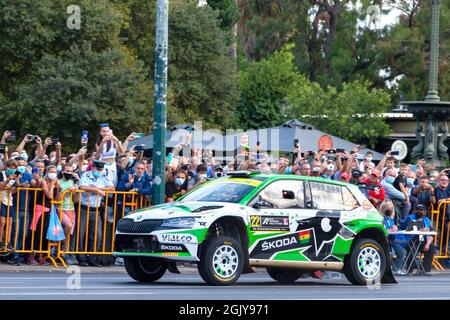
(410, 181)
(21, 169)
(179, 181)
(67, 176)
(390, 179)
(46, 162)
(58, 168)
(52, 176)
(433, 183)
(96, 174)
(84, 167)
(388, 212)
(10, 172)
(369, 159)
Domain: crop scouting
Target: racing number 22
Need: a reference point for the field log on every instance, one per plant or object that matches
(255, 221)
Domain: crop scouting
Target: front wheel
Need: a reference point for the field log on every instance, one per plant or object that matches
(366, 263)
(221, 262)
(284, 276)
(145, 269)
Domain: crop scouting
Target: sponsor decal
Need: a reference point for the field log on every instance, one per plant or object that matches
(172, 247)
(304, 237)
(203, 224)
(172, 254)
(269, 223)
(250, 182)
(184, 238)
(279, 243)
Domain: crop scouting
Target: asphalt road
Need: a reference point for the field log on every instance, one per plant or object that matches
(189, 286)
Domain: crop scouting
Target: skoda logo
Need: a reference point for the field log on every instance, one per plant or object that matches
(139, 218)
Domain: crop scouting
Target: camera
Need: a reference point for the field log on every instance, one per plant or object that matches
(12, 137)
(338, 150)
(55, 140)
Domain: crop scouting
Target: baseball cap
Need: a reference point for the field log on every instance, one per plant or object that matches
(375, 173)
(420, 207)
(344, 176)
(356, 173)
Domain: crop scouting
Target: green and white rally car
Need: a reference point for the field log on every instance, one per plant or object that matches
(288, 224)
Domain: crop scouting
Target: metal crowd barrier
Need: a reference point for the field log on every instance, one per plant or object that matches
(442, 227)
(26, 223)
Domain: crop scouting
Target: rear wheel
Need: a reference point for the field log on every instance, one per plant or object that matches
(366, 263)
(284, 276)
(145, 269)
(221, 261)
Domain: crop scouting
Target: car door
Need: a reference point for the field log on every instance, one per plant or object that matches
(273, 222)
(321, 219)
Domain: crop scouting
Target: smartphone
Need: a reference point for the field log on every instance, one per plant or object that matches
(395, 152)
(338, 150)
(139, 148)
(12, 137)
(295, 143)
(84, 138)
(2, 148)
(139, 135)
(55, 141)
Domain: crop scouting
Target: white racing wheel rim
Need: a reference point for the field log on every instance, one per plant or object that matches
(225, 261)
(369, 263)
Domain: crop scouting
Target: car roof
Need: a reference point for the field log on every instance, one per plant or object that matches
(279, 176)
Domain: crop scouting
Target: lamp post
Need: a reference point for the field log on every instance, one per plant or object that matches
(160, 102)
(432, 111)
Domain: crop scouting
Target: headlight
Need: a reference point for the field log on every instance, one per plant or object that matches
(180, 223)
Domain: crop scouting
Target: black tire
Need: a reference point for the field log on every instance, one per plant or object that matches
(352, 269)
(145, 269)
(234, 259)
(284, 276)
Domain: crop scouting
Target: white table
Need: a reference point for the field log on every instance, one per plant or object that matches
(414, 247)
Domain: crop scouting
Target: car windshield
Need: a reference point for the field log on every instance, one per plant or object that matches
(220, 192)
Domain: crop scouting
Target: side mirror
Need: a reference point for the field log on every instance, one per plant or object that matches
(288, 194)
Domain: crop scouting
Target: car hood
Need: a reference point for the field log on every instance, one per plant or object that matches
(179, 209)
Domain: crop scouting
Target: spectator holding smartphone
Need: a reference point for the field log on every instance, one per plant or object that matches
(108, 147)
(9, 182)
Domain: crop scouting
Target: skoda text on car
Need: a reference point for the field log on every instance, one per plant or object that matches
(288, 224)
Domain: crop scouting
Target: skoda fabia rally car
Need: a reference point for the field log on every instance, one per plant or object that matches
(288, 224)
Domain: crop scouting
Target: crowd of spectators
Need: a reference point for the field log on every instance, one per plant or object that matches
(401, 191)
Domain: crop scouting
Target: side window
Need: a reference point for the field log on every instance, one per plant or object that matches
(350, 201)
(273, 193)
(326, 196)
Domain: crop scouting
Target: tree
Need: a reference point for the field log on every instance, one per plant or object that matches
(33, 28)
(79, 89)
(263, 87)
(354, 113)
(201, 81)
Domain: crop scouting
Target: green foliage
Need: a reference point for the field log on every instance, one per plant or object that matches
(352, 113)
(263, 87)
(201, 80)
(271, 91)
(228, 12)
(79, 89)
